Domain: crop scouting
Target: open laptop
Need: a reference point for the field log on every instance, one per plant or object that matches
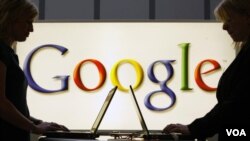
(92, 133)
(152, 134)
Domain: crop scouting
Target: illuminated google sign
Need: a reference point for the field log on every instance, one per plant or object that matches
(139, 75)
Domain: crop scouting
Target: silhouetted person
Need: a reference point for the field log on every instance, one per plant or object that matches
(233, 91)
(16, 124)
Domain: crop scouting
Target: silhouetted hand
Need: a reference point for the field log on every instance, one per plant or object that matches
(49, 126)
(177, 128)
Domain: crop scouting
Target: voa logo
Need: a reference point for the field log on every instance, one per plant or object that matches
(236, 132)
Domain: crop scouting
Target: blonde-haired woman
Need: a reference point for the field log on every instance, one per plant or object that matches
(16, 18)
(233, 91)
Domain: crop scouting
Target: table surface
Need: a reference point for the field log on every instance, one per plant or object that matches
(121, 135)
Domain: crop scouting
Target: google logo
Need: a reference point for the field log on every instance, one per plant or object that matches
(139, 75)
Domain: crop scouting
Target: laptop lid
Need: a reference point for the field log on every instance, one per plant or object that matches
(139, 113)
(103, 110)
(157, 135)
(90, 134)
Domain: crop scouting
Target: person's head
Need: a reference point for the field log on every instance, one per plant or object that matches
(16, 20)
(235, 15)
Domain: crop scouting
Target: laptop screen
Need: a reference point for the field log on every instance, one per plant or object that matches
(103, 110)
(139, 113)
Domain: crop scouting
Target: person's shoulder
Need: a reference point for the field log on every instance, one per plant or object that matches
(246, 47)
(4, 55)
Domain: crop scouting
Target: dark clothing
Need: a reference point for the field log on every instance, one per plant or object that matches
(15, 91)
(233, 95)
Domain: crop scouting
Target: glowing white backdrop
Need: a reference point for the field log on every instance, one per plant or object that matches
(109, 42)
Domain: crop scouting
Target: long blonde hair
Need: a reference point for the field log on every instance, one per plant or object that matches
(10, 10)
(226, 6)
